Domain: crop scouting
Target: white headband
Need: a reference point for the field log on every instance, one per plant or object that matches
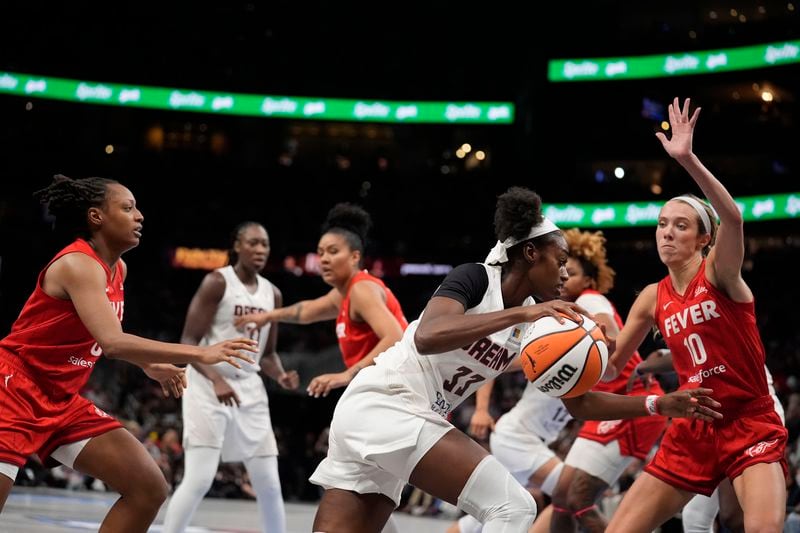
(699, 207)
(499, 254)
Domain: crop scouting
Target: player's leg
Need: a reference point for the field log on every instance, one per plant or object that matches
(263, 471)
(731, 515)
(8, 473)
(345, 511)
(543, 520)
(582, 496)
(698, 515)
(761, 490)
(648, 503)
(562, 520)
(532, 466)
(200, 467)
(458, 470)
(122, 463)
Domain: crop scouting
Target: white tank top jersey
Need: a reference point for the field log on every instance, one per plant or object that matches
(440, 382)
(596, 304)
(238, 301)
(535, 414)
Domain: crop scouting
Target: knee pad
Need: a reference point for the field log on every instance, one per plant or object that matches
(494, 497)
(469, 524)
(698, 515)
(549, 483)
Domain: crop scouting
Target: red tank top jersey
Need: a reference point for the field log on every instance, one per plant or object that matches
(356, 339)
(620, 383)
(714, 341)
(49, 339)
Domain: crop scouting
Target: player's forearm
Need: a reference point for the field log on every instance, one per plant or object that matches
(139, 351)
(369, 359)
(606, 406)
(483, 396)
(716, 193)
(297, 313)
(660, 361)
(449, 332)
(272, 366)
(208, 372)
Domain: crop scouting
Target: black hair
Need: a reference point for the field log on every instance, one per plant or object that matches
(351, 222)
(68, 200)
(518, 210)
(236, 234)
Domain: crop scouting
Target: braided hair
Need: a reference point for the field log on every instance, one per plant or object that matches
(68, 200)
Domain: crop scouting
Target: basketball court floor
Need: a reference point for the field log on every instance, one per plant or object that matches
(55, 510)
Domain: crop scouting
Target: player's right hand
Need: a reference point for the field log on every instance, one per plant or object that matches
(228, 352)
(259, 319)
(556, 309)
(225, 394)
(481, 424)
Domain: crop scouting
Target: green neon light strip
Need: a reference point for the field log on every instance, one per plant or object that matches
(617, 215)
(255, 105)
(679, 64)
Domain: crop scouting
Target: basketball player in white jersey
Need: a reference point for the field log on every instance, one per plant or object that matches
(520, 440)
(698, 515)
(390, 426)
(226, 414)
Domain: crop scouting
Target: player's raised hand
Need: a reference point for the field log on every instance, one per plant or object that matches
(682, 125)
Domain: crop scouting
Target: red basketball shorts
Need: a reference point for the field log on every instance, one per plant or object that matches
(31, 423)
(695, 456)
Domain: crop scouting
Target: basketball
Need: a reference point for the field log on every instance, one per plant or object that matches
(564, 360)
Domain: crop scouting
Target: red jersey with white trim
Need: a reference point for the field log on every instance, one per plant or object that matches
(714, 341)
(357, 339)
(49, 339)
(620, 383)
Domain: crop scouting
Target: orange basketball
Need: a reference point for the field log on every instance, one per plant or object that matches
(564, 360)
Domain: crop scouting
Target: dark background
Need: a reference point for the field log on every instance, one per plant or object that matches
(196, 176)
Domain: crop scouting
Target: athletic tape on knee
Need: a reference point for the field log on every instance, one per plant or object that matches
(549, 483)
(494, 497)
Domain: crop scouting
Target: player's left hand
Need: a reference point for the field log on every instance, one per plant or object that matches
(324, 384)
(289, 380)
(690, 403)
(171, 378)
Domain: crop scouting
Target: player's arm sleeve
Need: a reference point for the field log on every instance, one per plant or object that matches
(466, 284)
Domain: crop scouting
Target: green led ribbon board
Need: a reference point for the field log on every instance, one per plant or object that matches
(254, 105)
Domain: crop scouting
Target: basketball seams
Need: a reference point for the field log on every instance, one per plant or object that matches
(554, 361)
(583, 369)
(561, 358)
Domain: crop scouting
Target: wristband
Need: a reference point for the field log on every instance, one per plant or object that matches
(651, 405)
(638, 371)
